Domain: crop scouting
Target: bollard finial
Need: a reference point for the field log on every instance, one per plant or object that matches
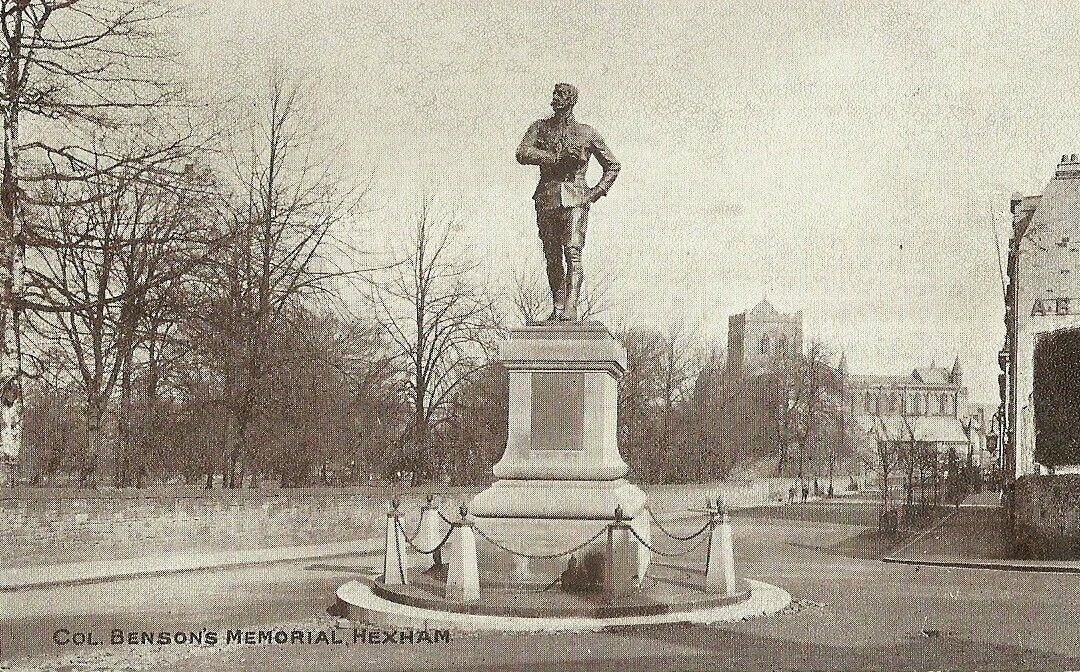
(463, 510)
(430, 499)
(396, 502)
(720, 503)
(618, 513)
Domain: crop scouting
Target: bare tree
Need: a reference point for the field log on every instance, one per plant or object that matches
(712, 403)
(441, 322)
(680, 363)
(287, 220)
(782, 396)
(530, 297)
(73, 67)
(638, 391)
(882, 460)
(96, 268)
(819, 386)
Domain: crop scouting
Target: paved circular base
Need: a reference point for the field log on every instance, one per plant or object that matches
(364, 605)
(667, 589)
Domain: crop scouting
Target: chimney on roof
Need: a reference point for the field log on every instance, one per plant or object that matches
(1015, 201)
(1068, 167)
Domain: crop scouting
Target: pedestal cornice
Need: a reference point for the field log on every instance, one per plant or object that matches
(564, 346)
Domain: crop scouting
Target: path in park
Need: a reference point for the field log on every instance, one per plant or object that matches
(851, 611)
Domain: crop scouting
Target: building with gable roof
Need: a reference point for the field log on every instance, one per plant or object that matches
(929, 391)
(929, 407)
(1040, 378)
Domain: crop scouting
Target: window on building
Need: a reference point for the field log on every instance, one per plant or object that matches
(781, 345)
(915, 399)
(927, 406)
(764, 344)
(943, 402)
(869, 403)
(903, 404)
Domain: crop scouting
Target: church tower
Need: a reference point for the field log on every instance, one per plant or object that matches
(761, 336)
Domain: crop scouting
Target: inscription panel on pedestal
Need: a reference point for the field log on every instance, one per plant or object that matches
(558, 410)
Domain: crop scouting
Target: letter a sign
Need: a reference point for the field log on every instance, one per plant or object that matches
(1058, 306)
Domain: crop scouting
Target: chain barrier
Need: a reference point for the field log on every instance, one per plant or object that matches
(662, 553)
(397, 545)
(548, 556)
(444, 518)
(409, 537)
(656, 521)
(418, 550)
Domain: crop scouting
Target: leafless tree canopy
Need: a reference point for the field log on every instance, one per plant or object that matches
(442, 323)
(183, 305)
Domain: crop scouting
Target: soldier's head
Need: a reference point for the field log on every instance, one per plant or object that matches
(564, 97)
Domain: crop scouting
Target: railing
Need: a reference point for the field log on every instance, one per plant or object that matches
(718, 569)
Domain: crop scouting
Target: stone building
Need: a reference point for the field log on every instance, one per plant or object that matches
(929, 407)
(760, 336)
(1040, 380)
(930, 391)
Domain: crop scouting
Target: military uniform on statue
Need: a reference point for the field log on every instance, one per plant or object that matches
(561, 146)
(561, 476)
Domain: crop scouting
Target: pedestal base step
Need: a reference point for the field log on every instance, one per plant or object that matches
(664, 591)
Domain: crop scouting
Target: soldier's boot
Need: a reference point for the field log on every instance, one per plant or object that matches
(574, 277)
(558, 300)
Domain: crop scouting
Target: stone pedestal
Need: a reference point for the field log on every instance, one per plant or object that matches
(561, 475)
(430, 533)
(620, 570)
(720, 562)
(462, 579)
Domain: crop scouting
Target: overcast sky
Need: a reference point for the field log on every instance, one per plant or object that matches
(844, 159)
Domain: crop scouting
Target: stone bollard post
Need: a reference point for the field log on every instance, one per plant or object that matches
(429, 533)
(395, 561)
(463, 576)
(619, 560)
(720, 563)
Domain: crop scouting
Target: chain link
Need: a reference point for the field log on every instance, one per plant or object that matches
(677, 537)
(409, 538)
(548, 556)
(418, 550)
(397, 545)
(647, 545)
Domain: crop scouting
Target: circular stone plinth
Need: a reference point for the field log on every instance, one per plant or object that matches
(666, 589)
(364, 605)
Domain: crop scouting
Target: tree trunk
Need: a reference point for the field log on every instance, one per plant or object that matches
(832, 470)
(95, 412)
(13, 254)
(235, 471)
(123, 422)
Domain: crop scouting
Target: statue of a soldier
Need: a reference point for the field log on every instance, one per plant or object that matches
(561, 147)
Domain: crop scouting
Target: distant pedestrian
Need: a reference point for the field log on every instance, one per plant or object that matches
(805, 492)
(817, 488)
(791, 495)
